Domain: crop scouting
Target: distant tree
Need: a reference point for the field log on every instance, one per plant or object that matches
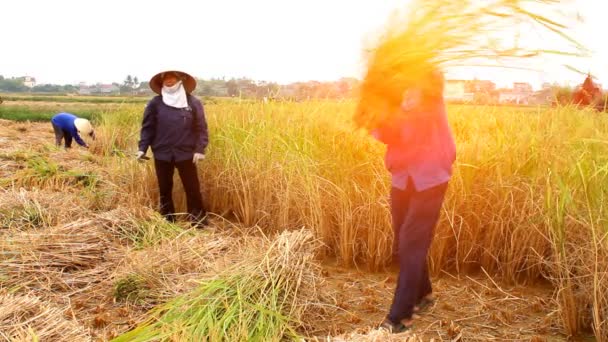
(13, 85)
(588, 93)
(247, 87)
(563, 94)
(267, 90)
(306, 90)
(484, 98)
(206, 89)
(129, 84)
(232, 88)
(69, 88)
(48, 88)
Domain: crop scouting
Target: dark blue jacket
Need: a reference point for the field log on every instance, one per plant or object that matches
(65, 121)
(173, 133)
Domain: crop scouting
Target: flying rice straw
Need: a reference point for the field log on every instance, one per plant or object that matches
(436, 34)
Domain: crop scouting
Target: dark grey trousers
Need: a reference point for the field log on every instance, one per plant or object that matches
(62, 134)
(415, 214)
(189, 175)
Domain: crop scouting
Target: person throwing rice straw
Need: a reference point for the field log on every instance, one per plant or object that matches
(174, 125)
(420, 153)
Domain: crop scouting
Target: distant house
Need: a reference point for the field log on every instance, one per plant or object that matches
(84, 89)
(508, 96)
(108, 89)
(456, 90)
(522, 87)
(104, 89)
(480, 86)
(521, 94)
(29, 81)
(544, 96)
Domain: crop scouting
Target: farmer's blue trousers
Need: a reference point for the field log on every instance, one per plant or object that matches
(415, 215)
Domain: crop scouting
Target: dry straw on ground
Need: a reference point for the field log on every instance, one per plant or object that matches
(376, 335)
(27, 318)
(263, 296)
(174, 267)
(26, 209)
(52, 259)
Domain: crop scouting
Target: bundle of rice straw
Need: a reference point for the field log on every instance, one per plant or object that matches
(43, 258)
(27, 318)
(260, 298)
(432, 35)
(169, 268)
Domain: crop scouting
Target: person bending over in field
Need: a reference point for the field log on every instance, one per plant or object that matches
(420, 153)
(68, 126)
(174, 126)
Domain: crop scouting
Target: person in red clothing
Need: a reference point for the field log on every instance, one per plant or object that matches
(420, 154)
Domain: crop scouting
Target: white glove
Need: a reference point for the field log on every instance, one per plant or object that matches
(197, 157)
(139, 155)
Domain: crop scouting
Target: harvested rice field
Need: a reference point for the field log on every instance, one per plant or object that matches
(291, 252)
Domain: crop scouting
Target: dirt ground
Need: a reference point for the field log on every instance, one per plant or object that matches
(469, 308)
(475, 308)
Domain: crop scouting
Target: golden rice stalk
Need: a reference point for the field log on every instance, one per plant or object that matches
(435, 34)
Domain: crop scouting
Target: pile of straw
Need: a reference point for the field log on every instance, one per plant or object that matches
(432, 35)
(170, 268)
(139, 227)
(260, 298)
(44, 259)
(27, 318)
(22, 209)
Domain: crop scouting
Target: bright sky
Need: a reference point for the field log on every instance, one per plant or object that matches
(63, 41)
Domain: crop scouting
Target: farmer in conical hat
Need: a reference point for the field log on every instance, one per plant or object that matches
(68, 126)
(174, 126)
(420, 153)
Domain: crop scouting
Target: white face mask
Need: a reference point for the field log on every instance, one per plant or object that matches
(175, 96)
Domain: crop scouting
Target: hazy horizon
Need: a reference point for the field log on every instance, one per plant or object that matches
(66, 42)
